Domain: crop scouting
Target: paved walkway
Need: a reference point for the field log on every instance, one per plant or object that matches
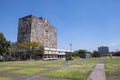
(98, 73)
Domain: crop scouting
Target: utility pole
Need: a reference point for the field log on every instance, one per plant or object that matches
(70, 47)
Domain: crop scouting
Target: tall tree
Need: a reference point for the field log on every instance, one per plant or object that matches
(4, 45)
(14, 48)
(96, 54)
(31, 46)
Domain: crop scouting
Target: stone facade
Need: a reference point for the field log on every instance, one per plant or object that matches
(32, 29)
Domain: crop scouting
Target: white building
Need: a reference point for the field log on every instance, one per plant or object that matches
(58, 53)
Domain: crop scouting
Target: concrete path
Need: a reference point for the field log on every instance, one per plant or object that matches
(98, 73)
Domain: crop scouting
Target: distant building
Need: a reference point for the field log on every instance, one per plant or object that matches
(103, 49)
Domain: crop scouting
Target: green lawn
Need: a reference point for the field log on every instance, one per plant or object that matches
(69, 74)
(51, 65)
(22, 63)
(89, 66)
(5, 78)
(112, 66)
(7, 68)
(29, 71)
(33, 63)
(112, 73)
(74, 74)
(32, 67)
(90, 63)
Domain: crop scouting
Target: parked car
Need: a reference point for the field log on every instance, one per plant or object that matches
(1, 59)
(10, 58)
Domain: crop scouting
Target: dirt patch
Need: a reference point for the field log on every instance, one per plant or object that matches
(113, 78)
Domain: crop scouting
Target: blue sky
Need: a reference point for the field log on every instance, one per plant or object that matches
(87, 24)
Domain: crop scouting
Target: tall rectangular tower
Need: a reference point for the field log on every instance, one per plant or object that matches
(32, 29)
(103, 49)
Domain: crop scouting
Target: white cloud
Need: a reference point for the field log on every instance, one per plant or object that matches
(114, 46)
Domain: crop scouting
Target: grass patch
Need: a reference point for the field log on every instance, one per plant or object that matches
(52, 65)
(92, 61)
(29, 71)
(112, 67)
(112, 73)
(19, 63)
(69, 74)
(86, 63)
(114, 60)
(22, 63)
(89, 66)
(7, 68)
(33, 63)
(5, 78)
(112, 64)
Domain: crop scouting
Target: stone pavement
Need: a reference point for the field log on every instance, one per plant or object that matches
(98, 73)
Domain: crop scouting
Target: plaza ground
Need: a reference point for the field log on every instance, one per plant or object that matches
(77, 69)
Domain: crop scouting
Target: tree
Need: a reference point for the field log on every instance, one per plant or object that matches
(82, 53)
(14, 48)
(4, 45)
(116, 53)
(31, 46)
(96, 54)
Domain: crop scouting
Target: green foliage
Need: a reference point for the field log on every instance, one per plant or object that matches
(96, 54)
(24, 45)
(116, 53)
(32, 45)
(41, 47)
(4, 45)
(82, 51)
(14, 48)
(75, 57)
